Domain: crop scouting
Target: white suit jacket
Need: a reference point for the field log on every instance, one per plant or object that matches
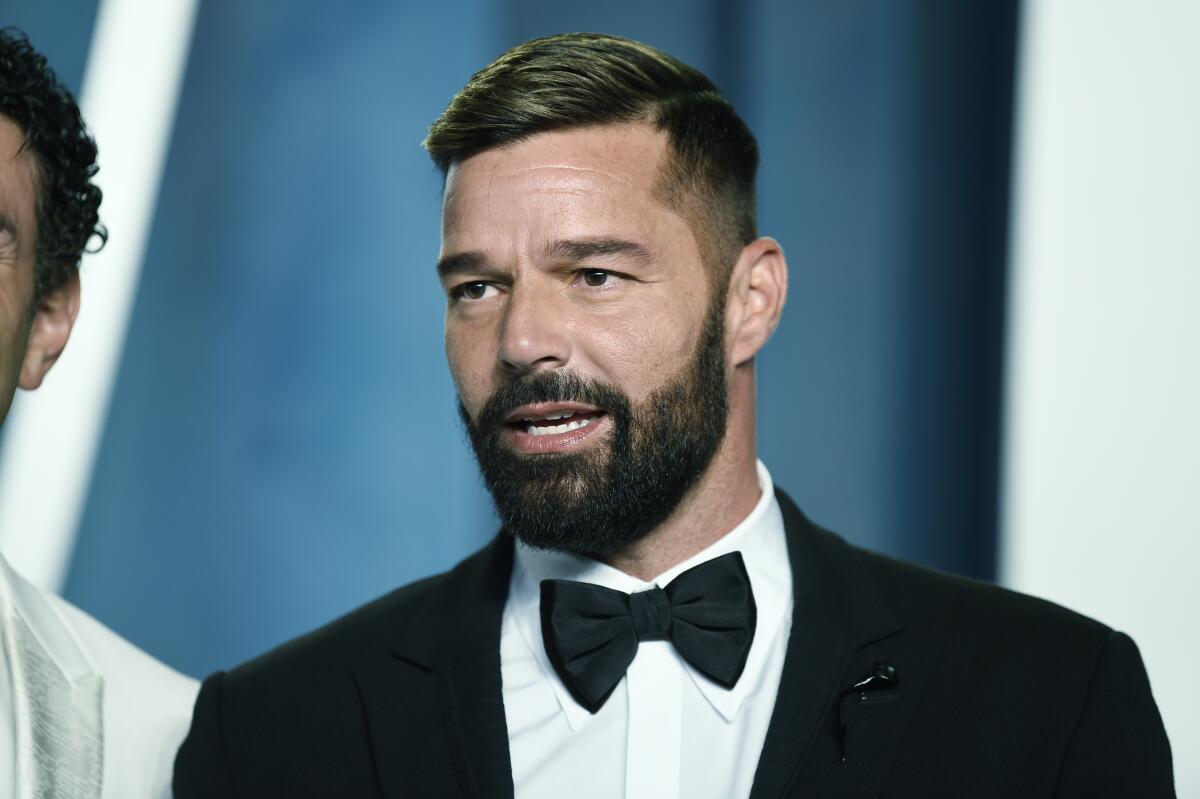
(83, 713)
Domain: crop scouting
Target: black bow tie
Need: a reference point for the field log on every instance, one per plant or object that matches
(592, 633)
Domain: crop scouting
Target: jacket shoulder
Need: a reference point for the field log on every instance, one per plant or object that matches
(994, 687)
(290, 722)
(930, 600)
(933, 604)
(338, 644)
(1073, 691)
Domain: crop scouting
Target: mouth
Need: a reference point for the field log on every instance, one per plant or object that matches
(552, 426)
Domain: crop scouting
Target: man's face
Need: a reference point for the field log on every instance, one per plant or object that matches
(18, 248)
(582, 335)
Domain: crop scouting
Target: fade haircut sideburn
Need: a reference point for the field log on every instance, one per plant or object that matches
(576, 79)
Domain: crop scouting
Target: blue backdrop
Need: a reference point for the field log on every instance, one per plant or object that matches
(283, 444)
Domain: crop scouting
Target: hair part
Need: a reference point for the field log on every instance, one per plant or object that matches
(68, 202)
(578, 79)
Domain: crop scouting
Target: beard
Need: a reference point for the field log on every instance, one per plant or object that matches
(599, 501)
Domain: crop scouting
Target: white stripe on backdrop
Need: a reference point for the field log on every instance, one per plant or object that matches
(134, 70)
(1102, 441)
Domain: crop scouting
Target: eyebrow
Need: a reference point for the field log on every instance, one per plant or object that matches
(459, 263)
(582, 249)
(571, 249)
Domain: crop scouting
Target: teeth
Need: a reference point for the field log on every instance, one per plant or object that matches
(555, 429)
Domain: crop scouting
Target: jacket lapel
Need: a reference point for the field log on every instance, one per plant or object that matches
(433, 698)
(842, 626)
(435, 709)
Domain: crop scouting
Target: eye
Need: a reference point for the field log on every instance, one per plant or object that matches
(595, 277)
(476, 290)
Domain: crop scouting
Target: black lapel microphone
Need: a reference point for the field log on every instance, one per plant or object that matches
(882, 677)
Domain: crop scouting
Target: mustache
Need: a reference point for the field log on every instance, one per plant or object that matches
(551, 386)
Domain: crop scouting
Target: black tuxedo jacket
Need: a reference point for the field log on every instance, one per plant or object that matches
(997, 694)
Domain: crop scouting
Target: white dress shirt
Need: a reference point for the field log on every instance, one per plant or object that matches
(83, 713)
(667, 731)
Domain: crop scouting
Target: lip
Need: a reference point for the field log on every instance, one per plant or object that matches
(543, 408)
(529, 444)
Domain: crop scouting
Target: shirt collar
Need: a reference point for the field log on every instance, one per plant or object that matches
(44, 622)
(760, 539)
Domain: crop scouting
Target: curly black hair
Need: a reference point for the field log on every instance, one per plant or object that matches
(68, 202)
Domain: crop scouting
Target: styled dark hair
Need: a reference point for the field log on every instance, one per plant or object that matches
(68, 202)
(576, 79)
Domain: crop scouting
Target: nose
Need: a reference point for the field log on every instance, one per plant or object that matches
(535, 333)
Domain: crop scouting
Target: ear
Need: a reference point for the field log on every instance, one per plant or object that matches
(52, 323)
(757, 293)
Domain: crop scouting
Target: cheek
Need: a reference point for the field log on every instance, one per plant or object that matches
(641, 351)
(471, 356)
(15, 320)
(462, 359)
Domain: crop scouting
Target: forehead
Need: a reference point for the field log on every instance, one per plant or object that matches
(18, 179)
(583, 176)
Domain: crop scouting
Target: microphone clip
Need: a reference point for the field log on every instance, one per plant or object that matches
(882, 677)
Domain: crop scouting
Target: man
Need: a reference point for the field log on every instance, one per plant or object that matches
(655, 620)
(83, 714)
